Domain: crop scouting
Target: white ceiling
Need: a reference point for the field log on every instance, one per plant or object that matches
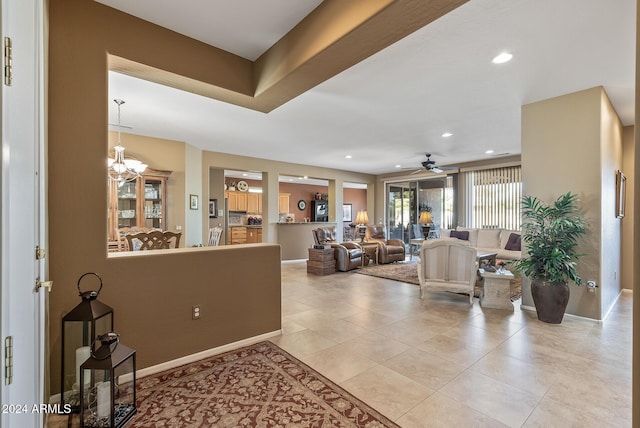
(393, 107)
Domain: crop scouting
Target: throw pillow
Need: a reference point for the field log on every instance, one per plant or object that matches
(463, 235)
(514, 243)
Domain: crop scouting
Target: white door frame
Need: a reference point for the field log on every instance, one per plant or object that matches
(22, 213)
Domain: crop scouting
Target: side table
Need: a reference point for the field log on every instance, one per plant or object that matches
(369, 252)
(496, 290)
(321, 261)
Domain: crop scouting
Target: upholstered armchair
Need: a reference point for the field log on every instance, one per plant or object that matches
(389, 250)
(348, 255)
(447, 265)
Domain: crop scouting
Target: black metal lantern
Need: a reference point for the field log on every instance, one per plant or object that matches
(108, 384)
(80, 327)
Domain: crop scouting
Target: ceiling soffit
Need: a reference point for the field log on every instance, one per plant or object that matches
(332, 38)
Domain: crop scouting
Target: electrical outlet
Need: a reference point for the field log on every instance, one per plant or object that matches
(178, 228)
(195, 312)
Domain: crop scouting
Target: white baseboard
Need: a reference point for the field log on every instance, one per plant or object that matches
(204, 354)
(147, 371)
(533, 309)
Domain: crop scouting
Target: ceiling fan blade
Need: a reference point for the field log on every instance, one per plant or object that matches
(450, 167)
(436, 170)
(417, 171)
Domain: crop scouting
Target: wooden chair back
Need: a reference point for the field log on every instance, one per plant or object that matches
(214, 236)
(154, 240)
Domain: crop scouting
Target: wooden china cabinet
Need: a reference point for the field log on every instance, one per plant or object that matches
(141, 203)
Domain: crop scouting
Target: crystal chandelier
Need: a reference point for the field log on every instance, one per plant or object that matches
(120, 169)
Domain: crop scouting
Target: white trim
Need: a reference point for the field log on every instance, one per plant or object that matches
(533, 309)
(613, 304)
(168, 365)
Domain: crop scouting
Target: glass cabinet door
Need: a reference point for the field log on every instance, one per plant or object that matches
(153, 203)
(127, 201)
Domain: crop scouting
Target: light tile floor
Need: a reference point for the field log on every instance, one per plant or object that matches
(439, 362)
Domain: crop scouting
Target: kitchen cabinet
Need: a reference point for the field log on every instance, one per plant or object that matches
(254, 235)
(141, 203)
(254, 203)
(237, 201)
(283, 202)
(238, 235)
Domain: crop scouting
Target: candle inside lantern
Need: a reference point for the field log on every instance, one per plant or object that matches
(104, 399)
(82, 355)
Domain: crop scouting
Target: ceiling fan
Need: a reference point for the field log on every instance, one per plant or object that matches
(430, 165)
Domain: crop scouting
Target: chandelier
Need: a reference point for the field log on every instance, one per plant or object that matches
(119, 168)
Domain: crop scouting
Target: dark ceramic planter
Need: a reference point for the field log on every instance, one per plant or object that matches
(551, 300)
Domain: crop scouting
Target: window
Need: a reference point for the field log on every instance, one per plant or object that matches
(493, 197)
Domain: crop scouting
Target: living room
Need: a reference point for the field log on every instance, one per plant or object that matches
(548, 144)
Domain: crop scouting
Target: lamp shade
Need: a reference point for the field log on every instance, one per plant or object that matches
(425, 217)
(362, 217)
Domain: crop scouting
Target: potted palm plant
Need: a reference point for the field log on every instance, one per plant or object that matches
(551, 235)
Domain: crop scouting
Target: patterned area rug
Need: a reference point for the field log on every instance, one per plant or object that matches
(256, 386)
(408, 272)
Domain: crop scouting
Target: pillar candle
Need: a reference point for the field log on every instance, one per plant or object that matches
(104, 399)
(82, 355)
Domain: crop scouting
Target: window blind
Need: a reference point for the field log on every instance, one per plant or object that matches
(493, 197)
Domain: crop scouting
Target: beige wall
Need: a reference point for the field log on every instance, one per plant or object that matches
(627, 223)
(554, 131)
(151, 294)
(611, 228)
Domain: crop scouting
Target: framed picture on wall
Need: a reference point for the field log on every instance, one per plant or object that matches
(213, 208)
(346, 212)
(620, 193)
(193, 202)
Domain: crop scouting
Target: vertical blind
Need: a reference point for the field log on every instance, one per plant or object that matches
(493, 197)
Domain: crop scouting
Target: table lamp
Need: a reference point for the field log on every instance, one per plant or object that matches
(362, 219)
(426, 221)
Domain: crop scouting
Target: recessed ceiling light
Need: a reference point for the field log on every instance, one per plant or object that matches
(348, 157)
(447, 134)
(398, 166)
(502, 58)
(305, 177)
(245, 174)
(489, 152)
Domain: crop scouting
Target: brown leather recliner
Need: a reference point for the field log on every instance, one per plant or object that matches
(389, 250)
(348, 255)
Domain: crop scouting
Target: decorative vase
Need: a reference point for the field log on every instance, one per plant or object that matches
(551, 300)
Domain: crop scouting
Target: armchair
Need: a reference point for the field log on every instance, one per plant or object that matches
(389, 250)
(348, 255)
(447, 265)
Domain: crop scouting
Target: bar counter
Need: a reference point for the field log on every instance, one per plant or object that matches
(295, 238)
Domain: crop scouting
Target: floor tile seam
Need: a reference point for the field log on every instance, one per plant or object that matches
(576, 410)
(542, 396)
(499, 381)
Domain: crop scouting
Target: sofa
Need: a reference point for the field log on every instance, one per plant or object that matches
(348, 255)
(389, 250)
(499, 241)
